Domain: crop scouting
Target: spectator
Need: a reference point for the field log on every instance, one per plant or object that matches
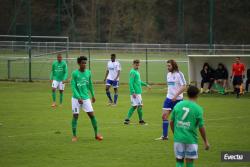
(221, 77)
(207, 75)
(248, 79)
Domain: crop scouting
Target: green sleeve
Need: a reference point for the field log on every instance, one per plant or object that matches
(200, 119)
(144, 83)
(91, 88)
(131, 82)
(173, 115)
(52, 72)
(65, 72)
(73, 86)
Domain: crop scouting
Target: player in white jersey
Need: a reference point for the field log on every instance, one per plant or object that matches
(176, 86)
(112, 78)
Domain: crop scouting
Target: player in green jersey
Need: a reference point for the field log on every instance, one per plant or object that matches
(58, 76)
(186, 118)
(135, 88)
(81, 84)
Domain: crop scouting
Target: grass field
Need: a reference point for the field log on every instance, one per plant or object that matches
(34, 134)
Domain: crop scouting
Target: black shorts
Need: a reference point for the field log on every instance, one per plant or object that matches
(237, 80)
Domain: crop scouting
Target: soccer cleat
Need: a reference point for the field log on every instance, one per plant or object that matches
(201, 91)
(126, 121)
(162, 138)
(74, 139)
(113, 105)
(109, 103)
(207, 91)
(53, 105)
(99, 137)
(141, 122)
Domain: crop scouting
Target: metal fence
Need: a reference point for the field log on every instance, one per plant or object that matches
(14, 60)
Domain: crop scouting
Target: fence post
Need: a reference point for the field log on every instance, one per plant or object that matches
(8, 69)
(89, 59)
(146, 65)
(186, 50)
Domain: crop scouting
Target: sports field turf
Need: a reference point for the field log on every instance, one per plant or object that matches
(34, 134)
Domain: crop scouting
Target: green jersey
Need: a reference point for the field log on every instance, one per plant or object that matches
(81, 84)
(135, 82)
(187, 117)
(59, 71)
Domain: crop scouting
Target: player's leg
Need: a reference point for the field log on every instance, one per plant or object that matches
(54, 87)
(191, 153)
(131, 109)
(87, 107)
(202, 85)
(179, 154)
(115, 91)
(166, 110)
(139, 110)
(108, 84)
(61, 90)
(75, 111)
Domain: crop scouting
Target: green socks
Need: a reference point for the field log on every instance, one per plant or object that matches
(190, 164)
(219, 88)
(61, 98)
(130, 112)
(139, 110)
(94, 124)
(179, 164)
(54, 96)
(74, 125)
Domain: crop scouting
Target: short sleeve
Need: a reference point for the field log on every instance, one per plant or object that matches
(119, 66)
(182, 79)
(200, 120)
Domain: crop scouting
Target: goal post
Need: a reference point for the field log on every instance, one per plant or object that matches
(195, 64)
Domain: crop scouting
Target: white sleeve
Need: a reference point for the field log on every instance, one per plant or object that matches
(182, 79)
(119, 68)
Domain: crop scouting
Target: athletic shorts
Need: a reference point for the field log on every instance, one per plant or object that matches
(86, 106)
(169, 104)
(58, 85)
(136, 101)
(237, 80)
(182, 150)
(115, 84)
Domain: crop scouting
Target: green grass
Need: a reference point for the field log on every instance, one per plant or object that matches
(34, 134)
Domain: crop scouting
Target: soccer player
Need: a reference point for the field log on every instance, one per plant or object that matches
(238, 70)
(186, 118)
(135, 87)
(112, 78)
(81, 85)
(58, 76)
(176, 86)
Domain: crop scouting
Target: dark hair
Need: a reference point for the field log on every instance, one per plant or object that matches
(59, 55)
(222, 65)
(237, 57)
(113, 55)
(136, 61)
(174, 65)
(192, 91)
(205, 64)
(81, 58)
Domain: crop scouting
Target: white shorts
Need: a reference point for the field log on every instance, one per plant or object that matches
(86, 106)
(182, 150)
(58, 84)
(136, 101)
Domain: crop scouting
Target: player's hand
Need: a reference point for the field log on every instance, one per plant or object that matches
(80, 101)
(104, 80)
(93, 100)
(51, 81)
(149, 87)
(174, 99)
(134, 96)
(207, 146)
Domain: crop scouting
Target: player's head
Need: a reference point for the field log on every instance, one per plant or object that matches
(192, 92)
(82, 61)
(205, 66)
(113, 57)
(237, 60)
(172, 66)
(136, 64)
(59, 57)
(221, 66)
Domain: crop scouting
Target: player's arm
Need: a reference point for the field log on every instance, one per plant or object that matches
(131, 83)
(74, 87)
(182, 88)
(200, 122)
(232, 72)
(91, 88)
(145, 84)
(52, 72)
(118, 74)
(65, 72)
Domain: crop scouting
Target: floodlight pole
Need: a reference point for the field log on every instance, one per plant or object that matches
(146, 65)
(211, 16)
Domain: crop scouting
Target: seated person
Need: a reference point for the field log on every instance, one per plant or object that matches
(207, 75)
(248, 79)
(221, 77)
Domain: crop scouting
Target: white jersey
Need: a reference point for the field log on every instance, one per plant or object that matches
(113, 68)
(174, 81)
